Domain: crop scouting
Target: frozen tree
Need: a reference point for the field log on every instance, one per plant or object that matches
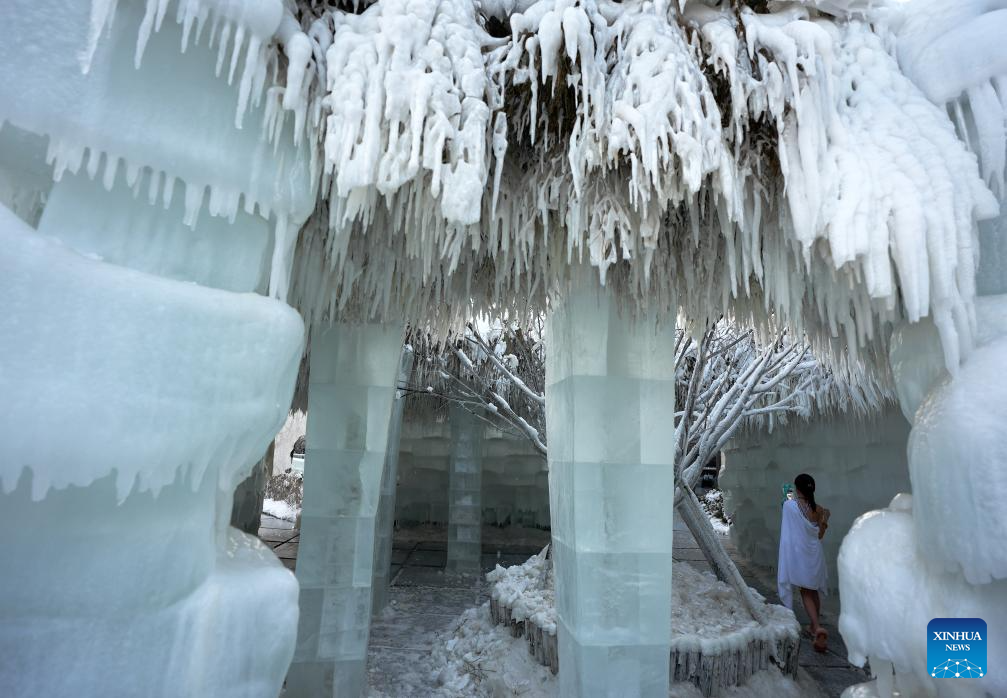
(725, 379)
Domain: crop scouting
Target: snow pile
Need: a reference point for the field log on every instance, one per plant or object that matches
(481, 659)
(713, 503)
(280, 509)
(706, 614)
(891, 590)
(528, 590)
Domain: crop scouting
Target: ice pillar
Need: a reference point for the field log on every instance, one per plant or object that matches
(610, 412)
(465, 491)
(350, 393)
(389, 478)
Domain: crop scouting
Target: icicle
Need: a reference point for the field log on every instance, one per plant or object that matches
(102, 13)
(284, 241)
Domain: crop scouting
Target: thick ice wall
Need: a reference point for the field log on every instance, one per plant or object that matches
(137, 371)
(858, 465)
(515, 486)
(173, 115)
(124, 429)
(991, 276)
(891, 590)
(114, 225)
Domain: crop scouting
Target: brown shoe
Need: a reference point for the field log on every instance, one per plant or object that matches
(821, 640)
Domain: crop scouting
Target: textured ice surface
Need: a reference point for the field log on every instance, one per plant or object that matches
(610, 398)
(385, 524)
(117, 109)
(465, 491)
(120, 228)
(97, 354)
(917, 363)
(890, 592)
(350, 394)
(135, 404)
(957, 453)
(515, 476)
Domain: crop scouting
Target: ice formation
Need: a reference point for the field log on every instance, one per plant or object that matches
(465, 479)
(610, 396)
(823, 164)
(142, 375)
(791, 170)
(891, 590)
(343, 468)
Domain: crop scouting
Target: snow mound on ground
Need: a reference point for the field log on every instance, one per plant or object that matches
(481, 659)
(706, 615)
(529, 590)
(280, 510)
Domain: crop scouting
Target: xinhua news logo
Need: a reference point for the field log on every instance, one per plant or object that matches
(956, 648)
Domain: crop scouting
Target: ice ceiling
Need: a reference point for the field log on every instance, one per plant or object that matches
(821, 162)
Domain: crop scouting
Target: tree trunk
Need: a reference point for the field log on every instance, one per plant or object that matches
(723, 566)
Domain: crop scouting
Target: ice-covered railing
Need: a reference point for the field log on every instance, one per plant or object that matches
(776, 164)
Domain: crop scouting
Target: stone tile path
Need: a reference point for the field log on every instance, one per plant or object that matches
(424, 600)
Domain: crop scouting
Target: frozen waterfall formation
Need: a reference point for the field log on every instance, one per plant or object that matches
(141, 374)
(172, 170)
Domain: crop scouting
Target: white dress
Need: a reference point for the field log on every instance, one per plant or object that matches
(802, 561)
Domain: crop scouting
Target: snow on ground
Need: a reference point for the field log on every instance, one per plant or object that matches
(713, 503)
(482, 659)
(280, 509)
(479, 659)
(706, 613)
(528, 590)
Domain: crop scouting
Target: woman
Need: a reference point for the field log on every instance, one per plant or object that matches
(802, 562)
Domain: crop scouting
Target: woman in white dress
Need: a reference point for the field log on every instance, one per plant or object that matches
(802, 562)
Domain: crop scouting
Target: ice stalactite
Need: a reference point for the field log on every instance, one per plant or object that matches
(717, 158)
(465, 491)
(347, 440)
(203, 163)
(385, 524)
(609, 398)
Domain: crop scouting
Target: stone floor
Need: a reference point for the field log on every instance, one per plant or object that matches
(424, 600)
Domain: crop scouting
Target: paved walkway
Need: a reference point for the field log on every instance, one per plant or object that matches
(424, 600)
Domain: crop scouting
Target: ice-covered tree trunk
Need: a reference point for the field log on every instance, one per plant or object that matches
(351, 388)
(389, 479)
(247, 512)
(465, 491)
(610, 388)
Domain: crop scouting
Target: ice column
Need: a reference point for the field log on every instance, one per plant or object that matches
(465, 491)
(610, 409)
(350, 393)
(389, 478)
